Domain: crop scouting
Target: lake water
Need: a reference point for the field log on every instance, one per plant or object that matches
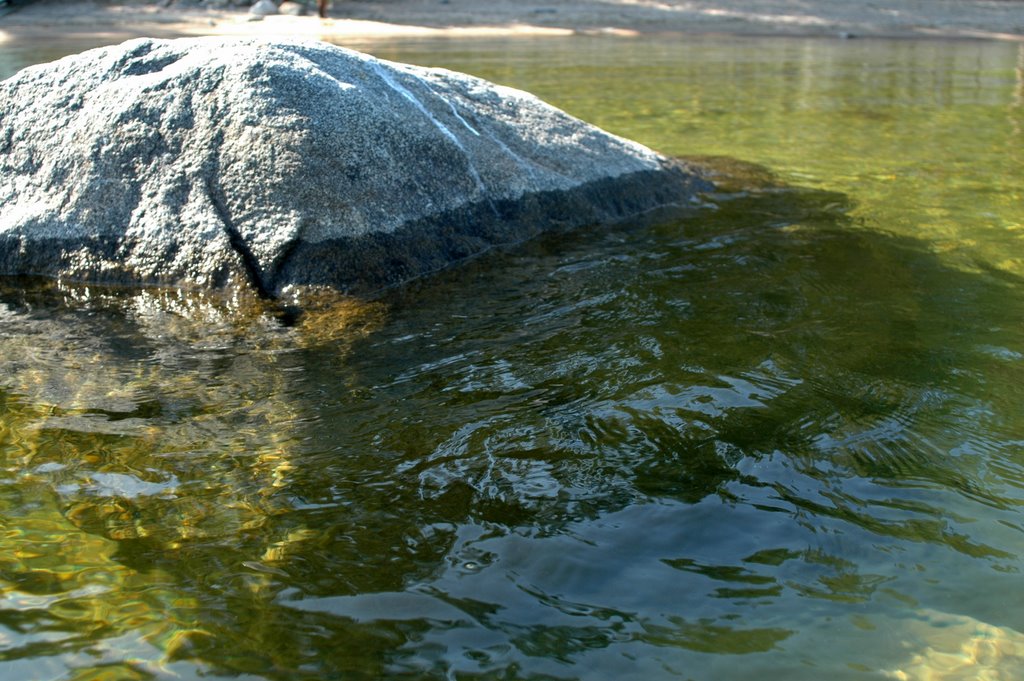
(780, 440)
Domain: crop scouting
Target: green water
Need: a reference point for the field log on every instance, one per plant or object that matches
(782, 439)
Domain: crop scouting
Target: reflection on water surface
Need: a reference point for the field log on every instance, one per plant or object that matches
(779, 440)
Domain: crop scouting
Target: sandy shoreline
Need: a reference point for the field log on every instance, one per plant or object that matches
(366, 20)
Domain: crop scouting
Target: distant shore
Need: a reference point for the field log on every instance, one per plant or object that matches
(368, 20)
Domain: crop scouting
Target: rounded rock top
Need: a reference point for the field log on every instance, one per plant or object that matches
(201, 162)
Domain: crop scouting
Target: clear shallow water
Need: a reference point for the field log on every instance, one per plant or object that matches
(779, 440)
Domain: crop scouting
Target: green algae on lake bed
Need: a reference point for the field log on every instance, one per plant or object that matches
(779, 440)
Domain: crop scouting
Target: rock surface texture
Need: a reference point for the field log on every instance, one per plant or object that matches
(263, 8)
(207, 161)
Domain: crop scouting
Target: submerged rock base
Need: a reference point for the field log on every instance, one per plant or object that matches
(200, 162)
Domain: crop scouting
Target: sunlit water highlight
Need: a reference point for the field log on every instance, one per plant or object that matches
(779, 440)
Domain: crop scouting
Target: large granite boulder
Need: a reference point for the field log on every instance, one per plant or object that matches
(206, 161)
